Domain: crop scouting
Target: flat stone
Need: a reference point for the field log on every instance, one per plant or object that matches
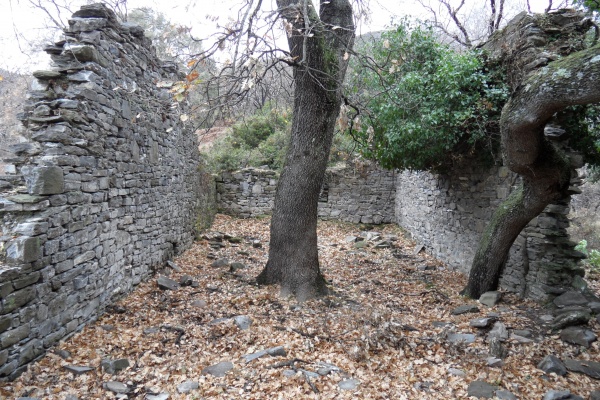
(361, 244)
(47, 74)
(490, 299)
(595, 395)
(465, 309)
(498, 331)
(116, 387)
(557, 395)
(243, 322)
(199, 303)
(594, 306)
(273, 352)
(494, 362)
(233, 267)
(578, 335)
(326, 368)
(173, 266)
(589, 368)
(481, 323)
(505, 395)
(160, 396)
(45, 181)
(349, 384)
(219, 370)
(572, 318)
(457, 338)
(456, 372)
(78, 370)
(221, 262)
(166, 283)
(187, 386)
(552, 364)
(481, 389)
(114, 366)
(570, 298)
(496, 348)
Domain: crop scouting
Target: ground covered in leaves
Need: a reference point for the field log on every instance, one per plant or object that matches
(384, 332)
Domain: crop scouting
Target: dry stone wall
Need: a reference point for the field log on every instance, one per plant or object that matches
(107, 190)
(448, 213)
(355, 193)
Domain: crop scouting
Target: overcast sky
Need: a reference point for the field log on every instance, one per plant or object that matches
(21, 25)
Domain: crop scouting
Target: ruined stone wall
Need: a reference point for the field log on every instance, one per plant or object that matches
(106, 191)
(448, 213)
(355, 193)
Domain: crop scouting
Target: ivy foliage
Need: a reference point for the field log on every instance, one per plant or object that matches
(428, 104)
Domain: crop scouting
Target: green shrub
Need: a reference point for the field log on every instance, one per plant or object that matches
(261, 139)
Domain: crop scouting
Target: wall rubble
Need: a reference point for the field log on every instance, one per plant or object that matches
(106, 191)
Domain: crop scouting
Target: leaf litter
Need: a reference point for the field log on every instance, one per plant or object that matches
(381, 334)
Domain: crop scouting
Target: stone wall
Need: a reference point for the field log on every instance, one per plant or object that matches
(448, 213)
(360, 193)
(107, 190)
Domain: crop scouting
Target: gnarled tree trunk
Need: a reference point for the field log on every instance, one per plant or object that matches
(319, 45)
(572, 80)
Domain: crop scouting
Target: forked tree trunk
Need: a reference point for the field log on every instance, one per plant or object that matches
(572, 80)
(321, 57)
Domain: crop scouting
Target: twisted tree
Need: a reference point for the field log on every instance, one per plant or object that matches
(537, 99)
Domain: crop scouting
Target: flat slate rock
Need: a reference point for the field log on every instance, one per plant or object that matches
(578, 335)
(349, 384)
(116, 387)
(482, 322)
(505, 395)
(572, 318)
(219, 370)
(498, 331)
(187, 386)
(490, 299)
(166, 283)
(570, 298)
(551, 364)
(77, 370)
(557, 395)
(221, 262)
(589, 368)
(242, 321)
(160, 396)
(456, 338)
(467, 308)
(481, 389)
(273, 352)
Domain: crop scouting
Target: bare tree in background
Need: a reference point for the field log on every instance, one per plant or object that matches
(469, 23)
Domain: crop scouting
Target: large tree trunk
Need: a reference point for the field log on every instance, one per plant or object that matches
(572, 80)
(320, 53)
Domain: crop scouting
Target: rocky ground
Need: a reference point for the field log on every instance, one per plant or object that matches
(395, 328)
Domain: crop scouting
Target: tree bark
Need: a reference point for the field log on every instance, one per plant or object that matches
(319, 46)
(545, 170)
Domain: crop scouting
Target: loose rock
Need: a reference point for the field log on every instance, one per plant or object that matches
(490, 299)
(165, 283)
(467, 308)
(187, 386)
(481, 389)
(116, 387)
(219, 370)
(349, 384)
(577, 335)
(551, 364)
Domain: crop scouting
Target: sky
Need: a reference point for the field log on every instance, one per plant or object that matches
(21, 25)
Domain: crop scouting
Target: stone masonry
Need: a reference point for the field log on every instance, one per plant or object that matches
(360, 193)
(448, 213)
(107, 190)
